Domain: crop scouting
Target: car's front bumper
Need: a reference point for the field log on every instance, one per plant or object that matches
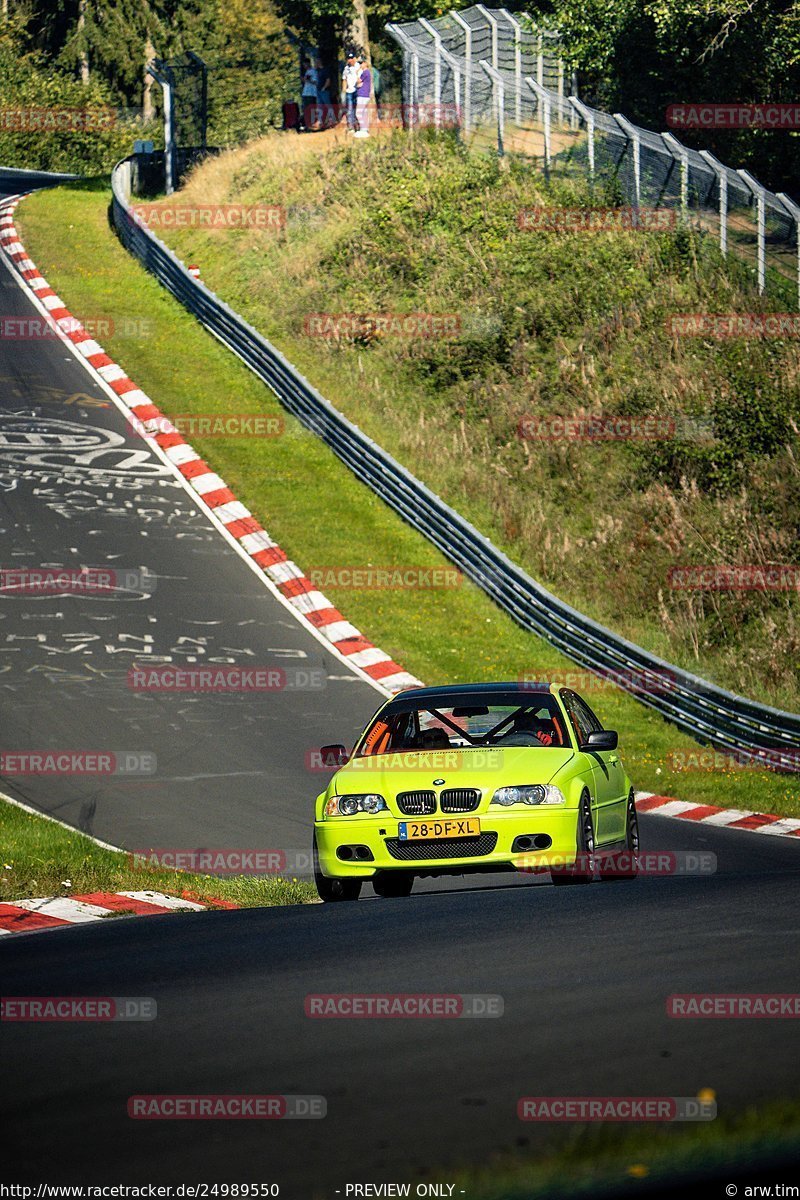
(491, 850)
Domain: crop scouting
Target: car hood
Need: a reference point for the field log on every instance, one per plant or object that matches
(484, 769)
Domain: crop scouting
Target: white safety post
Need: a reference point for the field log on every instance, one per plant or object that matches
(761, 217)
(680, 153)
(493, 25)
(516, 26)
(455, 66)
(410, 54)
(632, 134)
(722, 182)
(794, 213)
(467, 67)
(544, 99)
(498, 93)
(437, 69)
(588, 116)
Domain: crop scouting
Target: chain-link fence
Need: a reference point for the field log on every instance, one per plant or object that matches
(499, 79)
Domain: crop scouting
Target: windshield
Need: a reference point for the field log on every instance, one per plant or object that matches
(535, 721)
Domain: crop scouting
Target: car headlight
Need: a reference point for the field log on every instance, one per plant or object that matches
(348, 806)
(529, 793)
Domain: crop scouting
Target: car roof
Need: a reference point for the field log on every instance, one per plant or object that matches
(454, 690)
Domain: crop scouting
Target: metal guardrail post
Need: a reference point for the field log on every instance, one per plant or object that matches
(761, 218)
(515, 25)
(492, 23)
(498, 91)
(545, 101)
(467, 67)
(722, 183)
(632, 134)
(794, 213)
(588, 116)
(682, 155)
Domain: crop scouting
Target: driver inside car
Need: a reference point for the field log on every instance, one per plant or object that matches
(529, 730)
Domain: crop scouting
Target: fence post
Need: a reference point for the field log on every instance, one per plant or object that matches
(761, 215)
(682, 154)
(722, 182)
(162, 76)
(794, 213)
(411, 96)
(467, 67)
(498, 92)
(632, 134)
(492, 23)
(588, 117)
(540, 59)
(573, 87)
(455, 67)
(517, 63)
(437, 69)
(543, 97)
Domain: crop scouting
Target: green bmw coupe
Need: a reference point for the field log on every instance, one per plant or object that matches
(475, 778)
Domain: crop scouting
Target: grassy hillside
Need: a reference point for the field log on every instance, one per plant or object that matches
(550, 323)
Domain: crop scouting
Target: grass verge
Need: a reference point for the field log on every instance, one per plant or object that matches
(39, 857)
(610, 1161)
(321, 515)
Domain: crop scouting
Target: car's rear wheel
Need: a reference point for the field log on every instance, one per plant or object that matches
(623, 865)
(330, 890)
(583, 868)
(391, 885)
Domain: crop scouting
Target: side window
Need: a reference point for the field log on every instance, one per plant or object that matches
(587, 716)
(569, 705)
(581, 717)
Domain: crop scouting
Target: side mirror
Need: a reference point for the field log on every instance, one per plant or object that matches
(602, 739)
(334, 756)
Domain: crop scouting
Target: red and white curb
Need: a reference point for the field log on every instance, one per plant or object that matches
(24, 916)
(283, 575)
(712, 814)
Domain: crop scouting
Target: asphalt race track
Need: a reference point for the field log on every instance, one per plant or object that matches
(584, 972)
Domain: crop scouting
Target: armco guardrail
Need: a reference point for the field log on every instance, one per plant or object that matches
(703, 710)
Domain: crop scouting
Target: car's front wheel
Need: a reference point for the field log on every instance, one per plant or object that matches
(330, 890)
(583, 869)
(392, 884)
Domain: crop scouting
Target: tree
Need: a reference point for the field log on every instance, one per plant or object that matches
(640, 56)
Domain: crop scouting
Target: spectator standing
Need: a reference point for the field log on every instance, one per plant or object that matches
(350, 77)
(309, 92)
(363, 97)
(323, 83)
